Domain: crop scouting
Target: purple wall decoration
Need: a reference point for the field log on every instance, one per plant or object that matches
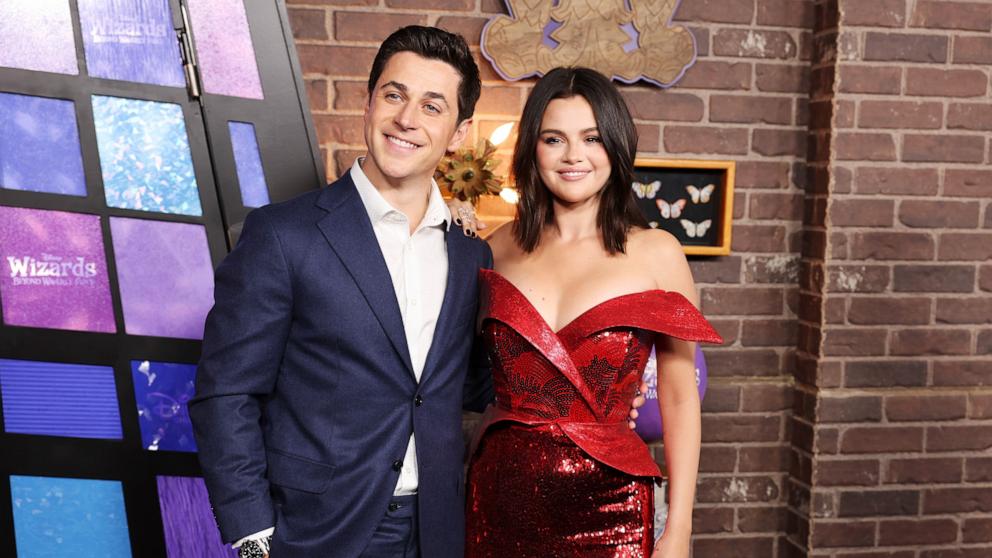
(131, 40)
(162, 390)
(166, 276)
(224, 48)
(37, 35)
(52, 271)
(190, 529)
(629, 41)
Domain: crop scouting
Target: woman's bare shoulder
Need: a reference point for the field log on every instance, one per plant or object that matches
(651, 244)
(661, 254)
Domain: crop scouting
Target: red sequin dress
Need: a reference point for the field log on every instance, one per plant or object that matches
(554, 470)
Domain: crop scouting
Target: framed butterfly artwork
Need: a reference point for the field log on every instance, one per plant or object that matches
(693, 200)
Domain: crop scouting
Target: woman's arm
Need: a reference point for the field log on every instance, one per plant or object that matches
(678, 399)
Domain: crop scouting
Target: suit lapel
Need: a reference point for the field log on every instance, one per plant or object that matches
(349, 232)
(461, 266)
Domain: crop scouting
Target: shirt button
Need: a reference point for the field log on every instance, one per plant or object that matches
(393, 506)
(418, 400)
(397, 465)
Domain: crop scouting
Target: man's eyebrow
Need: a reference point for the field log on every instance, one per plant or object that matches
(436, 95)
(428, 94)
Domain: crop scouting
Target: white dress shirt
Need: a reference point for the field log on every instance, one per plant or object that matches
(418, 269)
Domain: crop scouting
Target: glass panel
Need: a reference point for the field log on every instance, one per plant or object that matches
(69, 517)
(161, 390)
(54, 399)
(145, 157)
(131, 40)
(190, 528)
(223, 48)
(39, 145)
(165, 275)
(52, 271)
(248, 160)
(37, 35)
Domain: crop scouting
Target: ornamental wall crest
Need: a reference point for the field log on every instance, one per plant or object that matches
(626, 39)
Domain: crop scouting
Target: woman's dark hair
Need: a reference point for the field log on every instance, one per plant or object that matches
(434, 44)
(618, 211)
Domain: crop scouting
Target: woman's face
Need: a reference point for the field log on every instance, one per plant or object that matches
(571, 159)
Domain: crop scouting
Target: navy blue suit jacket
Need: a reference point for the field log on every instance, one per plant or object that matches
(305, 395)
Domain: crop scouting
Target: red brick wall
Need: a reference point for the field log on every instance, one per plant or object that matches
(893, 433)
(748, 99)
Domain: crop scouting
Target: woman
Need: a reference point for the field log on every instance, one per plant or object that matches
(580, 292)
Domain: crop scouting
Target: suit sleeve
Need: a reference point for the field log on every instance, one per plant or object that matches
(243, 343)
(479, 391)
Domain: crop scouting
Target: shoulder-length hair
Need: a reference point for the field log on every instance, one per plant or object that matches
(618, 211)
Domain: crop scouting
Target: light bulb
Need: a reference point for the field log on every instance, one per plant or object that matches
(509, 195)
(500, 134)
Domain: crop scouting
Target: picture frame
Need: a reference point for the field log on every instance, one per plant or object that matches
(692, 199)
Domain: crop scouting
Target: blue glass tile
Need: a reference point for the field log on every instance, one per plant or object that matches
(81, 518)
(145, 156)
(248, 160)
(39, 145)
(162, 390)
(131, 40)
(55, 399)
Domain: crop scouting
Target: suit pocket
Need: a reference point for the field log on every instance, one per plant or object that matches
(299, 473)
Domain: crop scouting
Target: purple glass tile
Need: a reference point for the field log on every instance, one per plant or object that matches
(248, 160)
(131, 40)
(190, 529)
(81, 518)
(53, 273)
(162, 390)
(39, 145)
(166, 276)
(224, 48)
(144, 156)
(37, 35)
(56, 399)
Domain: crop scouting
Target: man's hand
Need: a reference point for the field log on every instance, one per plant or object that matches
(638, 401)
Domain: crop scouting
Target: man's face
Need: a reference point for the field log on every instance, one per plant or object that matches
(411, 120)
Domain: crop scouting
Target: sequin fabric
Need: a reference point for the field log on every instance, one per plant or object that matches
(554, 469)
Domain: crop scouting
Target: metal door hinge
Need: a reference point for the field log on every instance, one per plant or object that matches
(188, 54)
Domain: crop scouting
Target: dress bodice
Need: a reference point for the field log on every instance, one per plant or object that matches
(584, 376)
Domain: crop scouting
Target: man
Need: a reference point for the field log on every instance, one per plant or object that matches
(329, 393)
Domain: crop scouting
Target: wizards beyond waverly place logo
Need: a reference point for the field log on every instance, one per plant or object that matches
(52, 270)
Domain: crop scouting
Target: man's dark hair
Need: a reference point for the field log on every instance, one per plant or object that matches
(434, 44)
(618, 211)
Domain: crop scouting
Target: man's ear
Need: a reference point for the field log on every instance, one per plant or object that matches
(461, 132)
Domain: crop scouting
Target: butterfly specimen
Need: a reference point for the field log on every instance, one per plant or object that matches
(701, 195)
(670, 210)
(696, 230)
(646, 190)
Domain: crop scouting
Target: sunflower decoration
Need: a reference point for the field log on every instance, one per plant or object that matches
(468, 173)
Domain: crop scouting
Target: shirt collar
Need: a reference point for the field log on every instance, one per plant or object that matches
(378, 208)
